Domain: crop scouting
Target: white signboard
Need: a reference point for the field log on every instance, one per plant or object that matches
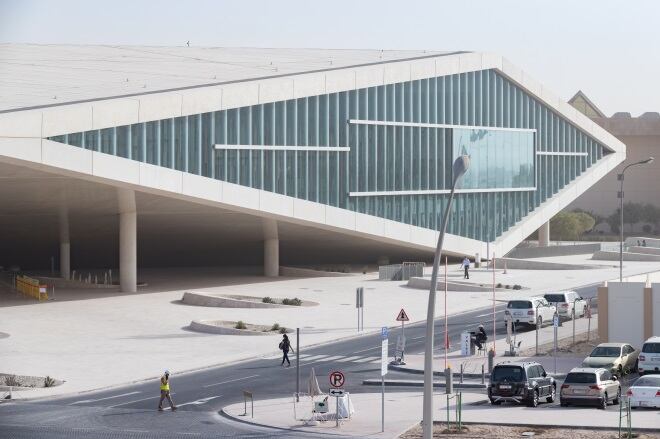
(336, 392)
(465, 343)
(555, 320)
(383, 359)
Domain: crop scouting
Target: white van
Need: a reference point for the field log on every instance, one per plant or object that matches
(649, 358)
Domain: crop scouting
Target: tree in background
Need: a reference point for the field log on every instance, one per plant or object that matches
(564, 227)
(586, 221)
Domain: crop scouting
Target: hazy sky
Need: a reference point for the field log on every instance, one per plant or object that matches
(609, 49)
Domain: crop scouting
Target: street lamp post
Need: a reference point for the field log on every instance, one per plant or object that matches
(620, 177)
(460, 166)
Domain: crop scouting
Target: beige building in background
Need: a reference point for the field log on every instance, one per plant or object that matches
(641, 135)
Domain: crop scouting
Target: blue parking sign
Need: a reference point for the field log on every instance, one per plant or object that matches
(383, 332)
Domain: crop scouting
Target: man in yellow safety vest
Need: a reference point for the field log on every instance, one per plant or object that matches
(165, 391)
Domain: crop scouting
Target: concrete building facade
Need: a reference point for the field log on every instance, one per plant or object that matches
(238, 156)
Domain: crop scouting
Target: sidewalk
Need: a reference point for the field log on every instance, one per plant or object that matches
(472, 364)
(403, 410)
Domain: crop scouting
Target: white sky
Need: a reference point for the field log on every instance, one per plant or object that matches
(609, 49)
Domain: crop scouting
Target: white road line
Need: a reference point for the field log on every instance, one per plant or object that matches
(365, 350)
(366, 359)
(103, 399)
(155, 398)
(231, 381)
(315, 358)
(197, 402)
(353, 358)
(418, 338)
(333, 358)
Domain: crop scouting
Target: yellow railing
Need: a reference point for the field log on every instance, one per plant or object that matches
(31, 288)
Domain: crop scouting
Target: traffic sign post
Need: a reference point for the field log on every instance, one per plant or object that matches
(401, 340)
(383, 371)
(359, 306)
(555, 324)
(337, 380)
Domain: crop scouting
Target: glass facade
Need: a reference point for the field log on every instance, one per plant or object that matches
(402, 139)
(499, 159)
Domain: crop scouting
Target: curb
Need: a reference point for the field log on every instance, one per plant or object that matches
(226, 415)
(440, 373)
(415, 383)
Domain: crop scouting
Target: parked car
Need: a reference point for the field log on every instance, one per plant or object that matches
(645, 392)
(531, 311)
(618, 358)
(521, 382)
(569, 303)
(588, 385)
(649, 357)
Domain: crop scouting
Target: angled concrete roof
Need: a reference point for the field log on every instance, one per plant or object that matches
(33, 75)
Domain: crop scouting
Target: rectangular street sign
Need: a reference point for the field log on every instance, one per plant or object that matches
(383, 359)
(336, 392)
(383, 332)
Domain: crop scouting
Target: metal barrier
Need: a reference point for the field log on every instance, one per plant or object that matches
(402, 271)
(624, 412)
(458, 415)
(31, 288)
(248, 395)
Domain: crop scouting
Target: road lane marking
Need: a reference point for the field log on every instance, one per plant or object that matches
(103, 399)
(155, 397)
(231, 381)
(353, 358)
(197, 402)
(315, 357)
(366, 359)
(365, 350)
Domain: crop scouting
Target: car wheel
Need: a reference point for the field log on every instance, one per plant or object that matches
(553, 394)
(615, 401)
(534, 400)
(603, 403)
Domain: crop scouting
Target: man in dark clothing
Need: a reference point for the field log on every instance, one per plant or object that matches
(480, 337)
(285, 345)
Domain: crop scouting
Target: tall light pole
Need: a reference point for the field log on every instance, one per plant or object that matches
(460, 166)
(620, 177)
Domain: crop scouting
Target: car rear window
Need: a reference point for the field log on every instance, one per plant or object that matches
(648, 381)
(651, 348)
(507, 373)
(581, 378)
(554, 298)
(519, 304)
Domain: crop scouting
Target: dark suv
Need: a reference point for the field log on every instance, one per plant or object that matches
(521, 382)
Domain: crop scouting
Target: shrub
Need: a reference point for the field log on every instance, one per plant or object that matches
(240, 325)
(12, 381)
(499, 285)
(49, 382)
(275, 327)
(507, 286)
(282, 330)
(294, 302)
(517, 287)
(268, 300)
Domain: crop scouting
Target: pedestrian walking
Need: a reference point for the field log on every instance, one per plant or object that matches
(285, 346)
(466, 266)
(165, 391)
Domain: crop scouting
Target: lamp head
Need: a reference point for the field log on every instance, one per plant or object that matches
(648, 160)
(460, 166)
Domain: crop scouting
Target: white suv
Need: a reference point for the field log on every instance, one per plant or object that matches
(530, 311)
(569, 303)
(649, 358)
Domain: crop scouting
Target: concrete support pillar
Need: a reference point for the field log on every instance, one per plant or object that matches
(271, 248)
(65, 244)
(544, 235)
(127, 240)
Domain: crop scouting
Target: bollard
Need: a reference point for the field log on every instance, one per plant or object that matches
(449, 381)
(483, 374)
(461, 377)
(491, 358)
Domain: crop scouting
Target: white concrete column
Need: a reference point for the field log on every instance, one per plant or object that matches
(65, 244)
(127, 241)
(544, 234)
(271, 248)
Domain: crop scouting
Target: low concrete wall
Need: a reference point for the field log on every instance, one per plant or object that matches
(627, 256)
(555, 250)
(526, 264)
(309, 272)
(424, 283)
(234, 301)
(59, 282)
(645, 250)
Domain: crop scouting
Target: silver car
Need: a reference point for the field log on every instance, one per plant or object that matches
(587, 385)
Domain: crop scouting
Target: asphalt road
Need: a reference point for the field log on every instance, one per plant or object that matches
(130, 411)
